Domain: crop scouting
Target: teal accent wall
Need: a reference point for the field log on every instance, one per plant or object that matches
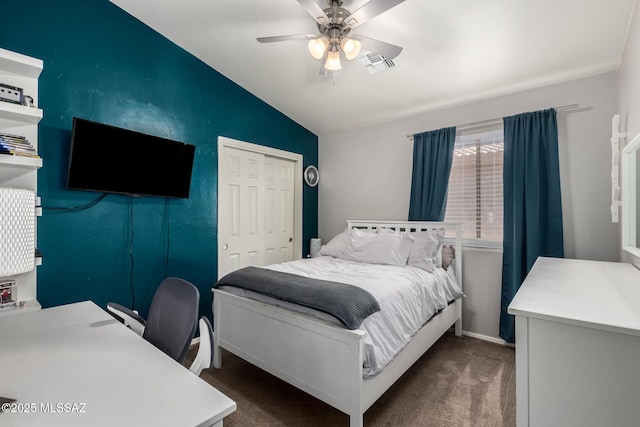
(104, 65)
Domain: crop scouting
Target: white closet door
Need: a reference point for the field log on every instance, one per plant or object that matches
(279, 198)
(241, 212)
(256, 206)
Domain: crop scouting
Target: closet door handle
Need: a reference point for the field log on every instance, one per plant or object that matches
(225, 247)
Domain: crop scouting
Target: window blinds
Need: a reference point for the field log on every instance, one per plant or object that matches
(475, 195)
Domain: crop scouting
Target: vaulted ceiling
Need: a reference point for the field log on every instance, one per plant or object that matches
(454, 52)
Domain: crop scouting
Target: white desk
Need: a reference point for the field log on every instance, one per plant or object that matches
(78, 357)
(578, 344)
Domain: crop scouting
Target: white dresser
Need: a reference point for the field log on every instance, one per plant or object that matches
(578, 344)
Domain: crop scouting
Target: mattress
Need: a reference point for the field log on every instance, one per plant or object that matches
(408, 297)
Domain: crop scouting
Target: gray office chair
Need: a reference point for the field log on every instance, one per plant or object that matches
(204, 357)
(172, 321)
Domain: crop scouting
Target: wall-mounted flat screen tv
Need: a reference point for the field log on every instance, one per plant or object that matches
(110, 159)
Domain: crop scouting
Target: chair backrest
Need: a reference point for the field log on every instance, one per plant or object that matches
(204, 357)
(173, 317)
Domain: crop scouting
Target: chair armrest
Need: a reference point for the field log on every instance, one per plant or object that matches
(130, 318)
(204, 357)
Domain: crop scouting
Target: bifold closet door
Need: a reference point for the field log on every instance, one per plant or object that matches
(255, 208)
(279, 196)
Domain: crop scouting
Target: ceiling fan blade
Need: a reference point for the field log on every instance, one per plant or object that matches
(387, 50)
(368, 11)
(285, 38)
(315, 11)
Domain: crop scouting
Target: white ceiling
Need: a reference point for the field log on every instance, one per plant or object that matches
(455, 52)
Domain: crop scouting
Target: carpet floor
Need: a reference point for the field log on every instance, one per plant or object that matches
(459, 382)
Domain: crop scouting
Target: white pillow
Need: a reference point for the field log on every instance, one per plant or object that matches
(336, 246)
(448, 255)
(427, 249)
(383, 247)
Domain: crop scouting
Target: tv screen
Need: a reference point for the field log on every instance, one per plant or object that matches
(109, 159)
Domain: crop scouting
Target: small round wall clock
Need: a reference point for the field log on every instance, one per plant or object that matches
(311, 176)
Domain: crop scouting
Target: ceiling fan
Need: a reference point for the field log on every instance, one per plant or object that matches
(335, 25)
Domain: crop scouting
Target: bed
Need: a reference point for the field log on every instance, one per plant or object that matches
(317, 354)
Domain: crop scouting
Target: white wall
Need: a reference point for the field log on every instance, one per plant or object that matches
(629, 91)
(366, 174)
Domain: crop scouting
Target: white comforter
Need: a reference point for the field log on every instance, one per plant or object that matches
(408, 297)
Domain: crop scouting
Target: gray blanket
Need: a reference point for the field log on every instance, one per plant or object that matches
(347, 303)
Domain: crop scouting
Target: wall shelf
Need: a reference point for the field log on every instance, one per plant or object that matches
(21, 171)
(14, 114)
(22, 65)
(20, 162)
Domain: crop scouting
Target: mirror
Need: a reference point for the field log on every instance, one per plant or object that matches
(631, 197)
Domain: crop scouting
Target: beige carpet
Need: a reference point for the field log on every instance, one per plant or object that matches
(460, 381)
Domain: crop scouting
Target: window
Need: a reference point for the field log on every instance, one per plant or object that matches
(475, 187)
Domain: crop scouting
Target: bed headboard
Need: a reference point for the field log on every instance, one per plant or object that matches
(417, 226)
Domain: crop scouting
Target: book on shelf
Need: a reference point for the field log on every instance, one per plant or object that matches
(12, 136)
(23, 153)
(16, 142)
(16, 145)
(11, 145)
(24, 143)
(18, 153)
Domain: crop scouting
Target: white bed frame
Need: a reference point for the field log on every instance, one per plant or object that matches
(316, 356)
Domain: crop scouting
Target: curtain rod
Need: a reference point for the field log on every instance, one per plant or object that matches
(492, 121)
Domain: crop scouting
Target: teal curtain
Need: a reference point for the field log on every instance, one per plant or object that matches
(532, 205)
(432, 157)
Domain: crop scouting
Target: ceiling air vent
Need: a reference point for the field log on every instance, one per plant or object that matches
(375, 63)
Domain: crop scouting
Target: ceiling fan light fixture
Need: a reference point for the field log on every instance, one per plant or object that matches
(350, 47)
(335, 36)
(317, 47)
(333, 61)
